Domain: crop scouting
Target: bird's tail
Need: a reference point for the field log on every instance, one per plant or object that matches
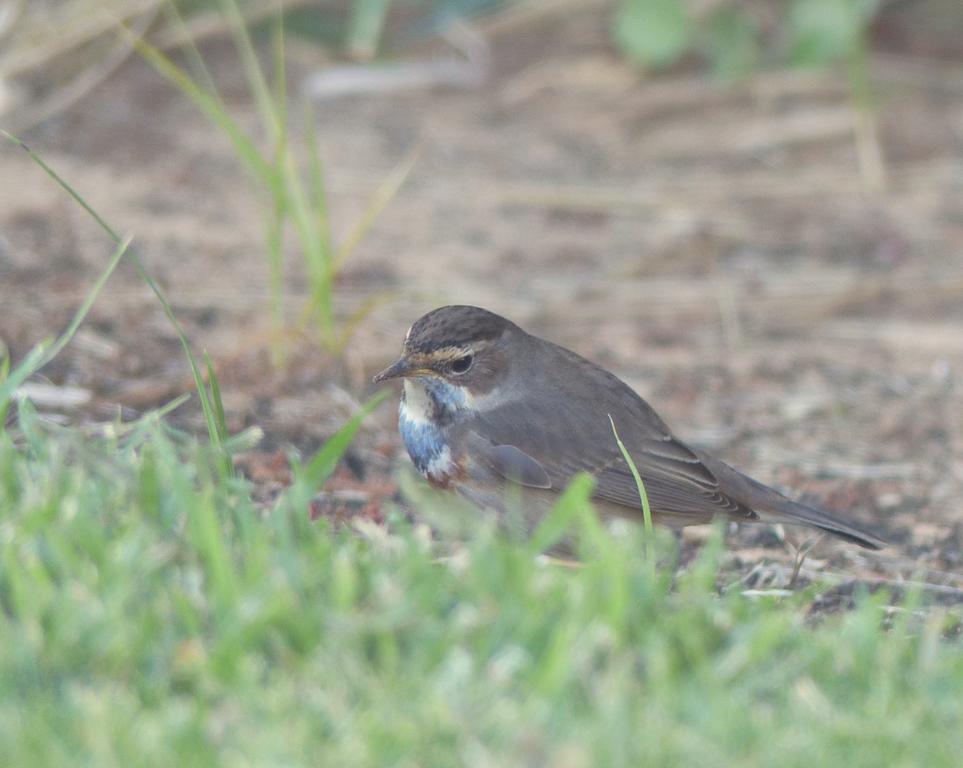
(772, 506)
(793, 512)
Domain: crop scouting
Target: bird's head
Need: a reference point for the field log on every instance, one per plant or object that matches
(456, 346)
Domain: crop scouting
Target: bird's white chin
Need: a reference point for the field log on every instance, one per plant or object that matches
(416, 405)
(427, 398)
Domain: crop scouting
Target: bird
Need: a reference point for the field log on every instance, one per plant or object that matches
(496, 413)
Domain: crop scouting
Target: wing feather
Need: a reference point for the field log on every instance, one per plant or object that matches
(676, 481)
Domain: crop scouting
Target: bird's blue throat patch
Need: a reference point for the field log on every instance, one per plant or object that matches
(424, 441)
(423, 421)
(447, 398)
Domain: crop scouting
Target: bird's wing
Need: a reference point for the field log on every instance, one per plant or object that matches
(565, 443)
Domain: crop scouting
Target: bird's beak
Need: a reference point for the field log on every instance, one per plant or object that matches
(398, 369)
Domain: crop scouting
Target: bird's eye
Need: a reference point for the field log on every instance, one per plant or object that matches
(461, 364)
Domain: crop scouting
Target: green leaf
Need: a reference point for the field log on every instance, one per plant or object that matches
(822, 31)
(365, 27)
(732, 43)
(653, 32)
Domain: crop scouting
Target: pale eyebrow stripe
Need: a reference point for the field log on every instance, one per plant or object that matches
(444, 354)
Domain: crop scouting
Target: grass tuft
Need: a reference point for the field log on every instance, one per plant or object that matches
(208, 391)
(288, 196)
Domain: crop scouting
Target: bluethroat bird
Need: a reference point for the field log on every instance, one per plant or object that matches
(496, 413)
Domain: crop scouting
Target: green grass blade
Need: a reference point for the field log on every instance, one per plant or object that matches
(137, 431)
(268, 109)
(366, 26)
(280, 97)
(209, 104)
(575, 501)
(209, 539)
(275, 254)
(26, 368)
(319, 195)
(216, 420)
(643, 497)
(278, 212)
(316, 255)
(318, 252)
(201, 73)
(4, 372)
(70, 190)
(88, 302)
(308, 478)
(43, 354)
(220, 420)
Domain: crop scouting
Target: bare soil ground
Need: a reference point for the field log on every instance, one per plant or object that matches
(734, 253)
